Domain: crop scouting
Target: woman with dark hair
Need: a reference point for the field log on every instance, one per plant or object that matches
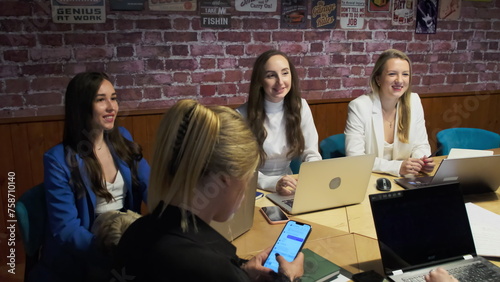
(389, 122)
(97, 168)
(280, 119)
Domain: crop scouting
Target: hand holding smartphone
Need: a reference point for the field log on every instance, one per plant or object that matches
(274, 215)
(289, 243)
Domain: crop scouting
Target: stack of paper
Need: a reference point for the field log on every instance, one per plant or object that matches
(485, 227)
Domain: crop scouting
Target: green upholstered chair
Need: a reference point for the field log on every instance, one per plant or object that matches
(333, 146)
(31, 213)
(466, 138)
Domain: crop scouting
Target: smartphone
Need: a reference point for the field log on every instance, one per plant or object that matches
(258, 195)
(289, 243)
(274, 215)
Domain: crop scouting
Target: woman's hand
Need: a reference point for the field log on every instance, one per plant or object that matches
(292, 270)
(428, 164)
(286, 185)
(439, 275)
(255, 267)
(411, 166)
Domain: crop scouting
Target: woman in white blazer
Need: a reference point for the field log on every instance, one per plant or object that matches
(389, 122)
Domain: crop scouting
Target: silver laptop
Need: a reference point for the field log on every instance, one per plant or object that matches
(475, 175)
(421, 229)
(327, 184)
(242, 220)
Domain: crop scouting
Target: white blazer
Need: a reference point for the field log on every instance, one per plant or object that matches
(364, 133)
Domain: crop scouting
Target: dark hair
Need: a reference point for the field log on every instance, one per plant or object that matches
(292, 107)
(79, 135)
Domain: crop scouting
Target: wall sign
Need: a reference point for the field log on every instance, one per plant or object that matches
(324, 13)
(256, 5)
(449, 9)
(379, 6)
(352, 14)
(179, 5)
(126, 5)
(427, 13)
(85, 11)
(294, 13)
(215, 14)
(402, 12)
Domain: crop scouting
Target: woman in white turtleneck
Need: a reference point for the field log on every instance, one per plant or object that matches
(280, 119)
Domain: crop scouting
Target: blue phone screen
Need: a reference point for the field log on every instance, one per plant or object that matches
(289, 243)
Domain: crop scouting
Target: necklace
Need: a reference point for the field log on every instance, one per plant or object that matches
(390, 124)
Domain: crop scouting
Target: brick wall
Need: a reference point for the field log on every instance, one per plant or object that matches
(157, 58)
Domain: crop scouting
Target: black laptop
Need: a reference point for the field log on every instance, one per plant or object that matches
(475, 175)
(421, 229)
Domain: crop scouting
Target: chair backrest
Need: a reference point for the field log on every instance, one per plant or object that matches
(31, 216)
(466, 138)
(333, 146)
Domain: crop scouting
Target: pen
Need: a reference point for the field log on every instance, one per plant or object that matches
(434, 153)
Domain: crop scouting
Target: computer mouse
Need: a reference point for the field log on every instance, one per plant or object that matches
(383, 184)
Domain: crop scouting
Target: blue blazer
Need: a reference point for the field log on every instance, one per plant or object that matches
(69, 242)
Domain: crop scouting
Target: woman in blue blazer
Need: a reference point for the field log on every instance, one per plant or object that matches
(97, 168)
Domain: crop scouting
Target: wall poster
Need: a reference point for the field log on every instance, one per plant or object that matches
(427, 13)
(126, 5)
(379, 5)
(352, 14)
(169, 5)
(256, 5)
(324, 13)
(402, 12)
(79, 12)
(294, 13)
(215, 14)
(449, 9)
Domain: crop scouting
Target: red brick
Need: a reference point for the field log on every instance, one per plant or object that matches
(181, 24)
(124, 38)
(93, 53)
(233, 76)
(152, 93)
(154, 65)
(213, 100)
(17, 85)
(354, 82)
(14, 9)
(314, 72)
(180, 50)
(85, 39)
(208, 90)
(313, 84)
(181, 77)
(227, 89)
(153, 51)
(317, 36)
(152, 37)
(163, 24)
(209, 37)
(129, 94)
(244, 37)
(50, 110)
(260, 24)
(44, 99)
(181, 37)
(180, 90)
(11, 101)
(377, 47)
(49, 83)
(122, 81)
(336, 48)
(50, 39)
(207, 63)
(317, 47)
(124, 24)
(358, 46)
(313, 61)
(126, 67)
(27, 40)
(262, 36)
(155, 104)
(124, 51)
(203, 50)
(153, 79)
(359, 35)
(357, 59)
(287, 36)
(294, 48)
(41, 69)
(235, 50)
(18, 56)
(399, 35)
(50, 54)
(11, 25)
(206, 76)
(226, 63)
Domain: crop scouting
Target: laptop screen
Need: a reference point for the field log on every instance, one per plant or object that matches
(421, 226)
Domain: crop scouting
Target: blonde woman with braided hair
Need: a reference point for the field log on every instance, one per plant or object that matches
(389, 122)
(203, 160)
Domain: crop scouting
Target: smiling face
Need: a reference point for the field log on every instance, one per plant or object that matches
(277, 80)
(395, 78)
(105, 107)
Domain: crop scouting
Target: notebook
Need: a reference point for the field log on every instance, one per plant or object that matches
(328, 184)
(421, 229)
(242, 220)
(476, 175)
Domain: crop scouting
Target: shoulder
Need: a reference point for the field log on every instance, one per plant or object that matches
(362, 102)
(125, 133)
(415, 98)
(243, 109)
(56, 152)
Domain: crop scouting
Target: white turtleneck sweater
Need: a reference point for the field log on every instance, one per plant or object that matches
(276, 147)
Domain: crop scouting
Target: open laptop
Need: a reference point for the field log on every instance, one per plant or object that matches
(421, 229)
(476, 175)
(328, 184)
(242, 220)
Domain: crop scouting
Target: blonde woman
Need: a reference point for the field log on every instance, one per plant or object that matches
(203, 160)
(389, 121)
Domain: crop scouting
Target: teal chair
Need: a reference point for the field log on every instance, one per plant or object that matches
(466, 138)
(31, 213)
(333, 146)
(295, 165)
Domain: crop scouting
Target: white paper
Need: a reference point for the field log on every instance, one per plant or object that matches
(468, 153)
(485, 226)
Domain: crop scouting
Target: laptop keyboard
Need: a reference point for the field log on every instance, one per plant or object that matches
(468, 273)
(288, 202)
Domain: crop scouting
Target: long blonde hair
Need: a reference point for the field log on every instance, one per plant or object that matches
(404, 111)
(194, 142)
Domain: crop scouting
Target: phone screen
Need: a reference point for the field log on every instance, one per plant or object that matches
(274, 213)
(289, 243)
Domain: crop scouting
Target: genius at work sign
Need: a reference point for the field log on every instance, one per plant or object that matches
(78, 11)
